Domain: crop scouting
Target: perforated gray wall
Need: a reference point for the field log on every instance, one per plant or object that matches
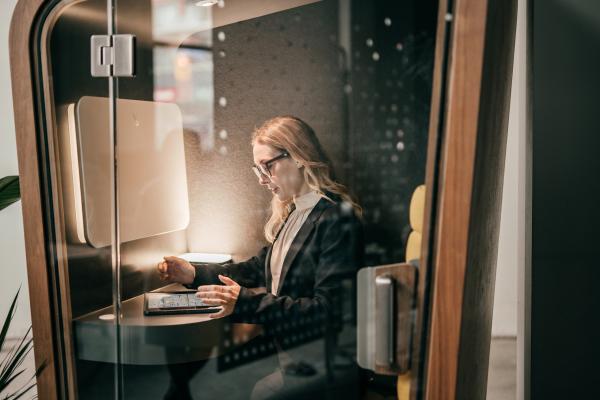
(283, 63)
(391, 73)
(371, 115)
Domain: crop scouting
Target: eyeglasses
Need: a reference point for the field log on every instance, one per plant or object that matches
(264, 168)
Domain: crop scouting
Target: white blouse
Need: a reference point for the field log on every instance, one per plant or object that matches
(304, 205)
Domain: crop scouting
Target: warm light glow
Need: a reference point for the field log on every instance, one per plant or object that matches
(74, 154)
(206, 3)
(215, 258)
(183, 68)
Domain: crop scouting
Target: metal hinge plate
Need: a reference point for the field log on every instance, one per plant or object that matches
(112, 55)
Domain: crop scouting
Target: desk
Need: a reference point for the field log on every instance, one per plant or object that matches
(148, 340)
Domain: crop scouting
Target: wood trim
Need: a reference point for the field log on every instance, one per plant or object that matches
(451, 236)
(418, 364)
(65, 340)
(40, 281)
(469, 193)
(57, 304)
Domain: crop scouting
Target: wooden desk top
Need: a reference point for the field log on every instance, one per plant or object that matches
(147, 340)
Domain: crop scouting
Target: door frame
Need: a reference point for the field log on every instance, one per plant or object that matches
(469, 121)
(470, 108)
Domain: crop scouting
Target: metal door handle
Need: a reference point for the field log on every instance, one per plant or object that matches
(385, 321)
(385, 313)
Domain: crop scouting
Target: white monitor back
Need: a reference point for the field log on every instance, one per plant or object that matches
(153, 196)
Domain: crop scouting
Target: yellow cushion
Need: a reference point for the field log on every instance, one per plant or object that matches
(413, 252)
(417, 208)
(403, 386)
(413, 246)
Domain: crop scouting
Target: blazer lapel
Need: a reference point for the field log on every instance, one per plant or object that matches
(298, 242)
(268, 276)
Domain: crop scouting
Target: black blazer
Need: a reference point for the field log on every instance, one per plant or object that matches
(328, 248)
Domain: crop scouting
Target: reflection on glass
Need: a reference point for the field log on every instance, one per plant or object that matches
(209, 73)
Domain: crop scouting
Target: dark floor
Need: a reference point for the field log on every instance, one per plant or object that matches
(152, 382)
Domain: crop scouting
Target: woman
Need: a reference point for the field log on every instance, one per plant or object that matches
(314, 234)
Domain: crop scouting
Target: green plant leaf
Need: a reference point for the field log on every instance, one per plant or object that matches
(23, 392)
(10, 379)
(25, 389)
(9, 191)
(14, 358)
(8, 319)
(21, 351)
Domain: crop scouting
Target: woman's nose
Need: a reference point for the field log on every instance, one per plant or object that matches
(264, 180)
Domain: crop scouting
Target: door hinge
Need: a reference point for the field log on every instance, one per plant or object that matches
(112, 55)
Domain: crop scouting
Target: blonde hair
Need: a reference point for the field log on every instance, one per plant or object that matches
(297, 138)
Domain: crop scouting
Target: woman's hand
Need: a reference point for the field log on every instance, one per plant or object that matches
(217, 295)
(175, 269)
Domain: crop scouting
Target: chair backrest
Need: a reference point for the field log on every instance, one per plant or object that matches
(413, 253)
(416, 212)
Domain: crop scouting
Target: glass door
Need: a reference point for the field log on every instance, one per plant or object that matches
(78, 158)
(264, 152)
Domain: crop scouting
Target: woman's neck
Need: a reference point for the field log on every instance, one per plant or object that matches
(303, 190)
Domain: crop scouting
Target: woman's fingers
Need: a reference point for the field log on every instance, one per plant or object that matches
(214, 302)
(225, 296)
(227, 280)
(213, 288)
(161, 267)
(162, 271)
(214, 295)
(172, 262)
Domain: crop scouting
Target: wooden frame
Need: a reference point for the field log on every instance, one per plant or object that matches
(42, 298)
(473, 92)
(455, 311)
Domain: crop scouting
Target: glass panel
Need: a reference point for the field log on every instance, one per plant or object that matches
(78, 151)
(209, 74)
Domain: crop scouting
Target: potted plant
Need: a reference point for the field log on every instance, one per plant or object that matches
(11, 363)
